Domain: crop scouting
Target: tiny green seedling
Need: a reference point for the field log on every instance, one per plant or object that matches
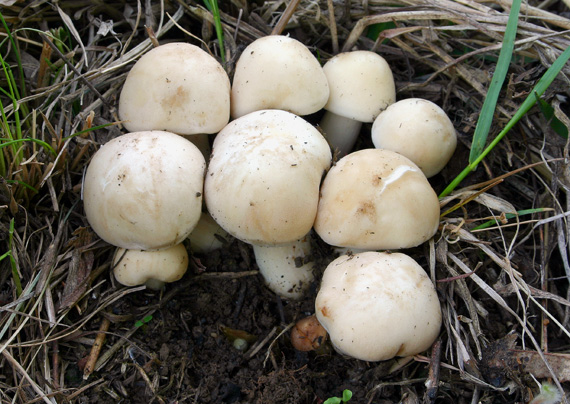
(144, 321)
(346, 396)
(549, 394)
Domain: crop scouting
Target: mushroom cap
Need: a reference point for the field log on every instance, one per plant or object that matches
(419, 130)
(143, 190)
(278, 72)
(376, 199)
(361, 85)
(284, 269)
(376, 306)
(262, 184)
(176, 87)
(136, 267)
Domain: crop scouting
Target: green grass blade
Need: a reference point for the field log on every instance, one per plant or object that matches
(519, 213)
(490, 104)
(91, 129)
(212, 6)
(9, 142)
(528, 103)
(551, 118)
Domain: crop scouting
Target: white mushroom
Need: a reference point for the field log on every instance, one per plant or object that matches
(284, 268)
(207, 236)
(143, 190)
(150, 268)
(419, 130)
(262, 184)
(376, 199)
(278, 72)
(361, 86)
(176, 87)
(376, 306)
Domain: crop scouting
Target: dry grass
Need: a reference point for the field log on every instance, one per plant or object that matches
(508, 279)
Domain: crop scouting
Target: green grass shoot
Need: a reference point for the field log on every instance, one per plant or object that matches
(143, 321)
(346, 396)
(552, 120)
(528, 103)
(212, 6)
(508, 216)
(490, 104)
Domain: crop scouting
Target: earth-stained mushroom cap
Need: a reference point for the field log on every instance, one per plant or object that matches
(376, 306)
(143, 190)
(278, 72)
(378, 200)
(176, 87)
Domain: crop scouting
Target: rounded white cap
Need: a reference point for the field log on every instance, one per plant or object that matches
(378, 200)
(278, 72)
(376, 306)
(419, 130)
(143, 190)
(137, 267)
(176, 87)
(361, 85)
(262, 184)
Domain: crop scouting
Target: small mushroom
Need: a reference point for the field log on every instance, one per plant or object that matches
(376, 306)
(361, 86)
(308, 334)
(278, 72)
(376, 199)
(150, 268)
(419, 130)
(207, 236)
(143, 190)
(262, 184)
(176, 87)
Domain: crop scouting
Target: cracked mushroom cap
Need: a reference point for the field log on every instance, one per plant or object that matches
(278, 72)
(419, 130)
(262, 184)
(376, 306)
(143, 190)
(153, 268)
(176, 87)
(361, 85)
(376, 199)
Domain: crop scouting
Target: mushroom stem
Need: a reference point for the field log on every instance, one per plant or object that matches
(284, 269)
(154, 284)
(340, 132)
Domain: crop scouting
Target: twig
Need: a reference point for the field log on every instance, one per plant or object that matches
(332, 26)
(285, 17)
(96, 348)
(432, 381)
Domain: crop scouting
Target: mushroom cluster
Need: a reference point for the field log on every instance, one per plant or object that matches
(268, 181)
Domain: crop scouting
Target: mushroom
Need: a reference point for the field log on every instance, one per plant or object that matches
(150, 268)
(376, 306)
(361, 86)
(143, 190)
(284, 267)
(376, 199)
(262, 184)
(419, 130)
(176, 87)
(207, 236)
(278, 72)
(308, 334)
